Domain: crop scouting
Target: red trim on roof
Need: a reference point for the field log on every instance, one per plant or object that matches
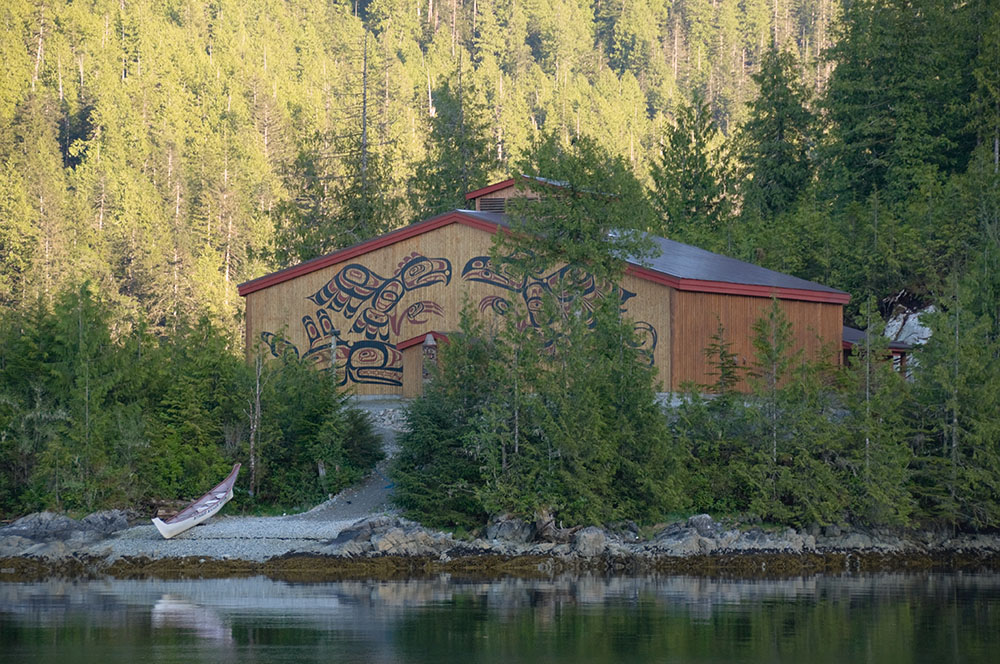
(490, 189)
(386, 240)
(728, 288)
(419, 339)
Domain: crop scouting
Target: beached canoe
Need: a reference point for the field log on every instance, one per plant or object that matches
(200, 510)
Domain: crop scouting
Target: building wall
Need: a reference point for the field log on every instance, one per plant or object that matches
(817, 329)
(649, 309)
(418, 285)
(397, 292)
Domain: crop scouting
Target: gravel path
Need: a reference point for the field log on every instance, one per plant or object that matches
(260, 538)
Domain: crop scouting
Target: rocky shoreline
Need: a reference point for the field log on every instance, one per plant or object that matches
(311, 547)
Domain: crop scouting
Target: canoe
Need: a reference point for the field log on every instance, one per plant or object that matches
(200, 510)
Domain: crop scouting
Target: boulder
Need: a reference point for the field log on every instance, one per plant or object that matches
(511, 529)
(754, 540)
(625, 531)
(851, 541)
(725, 540)
(705, 525)
(107, 522)
(354, 549)
(589, 542)
(49, 526)
(680, 542)
(390, 540)
(14, 545)
(50, 550)
(389, 536)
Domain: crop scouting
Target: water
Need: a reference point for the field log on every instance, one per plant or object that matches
(857, 618)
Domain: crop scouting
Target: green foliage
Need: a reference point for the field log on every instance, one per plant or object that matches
(957, 460)
(311, 443)
(688, 184)
(554, 410)
(876, 457)
(789, 469)
(802, 447)
(900, 66)
(437, 475)
(776, 139)
(457, 158)
(589, 210)
(562, 420)
(724, 362)
(90, 421)
(166, 152)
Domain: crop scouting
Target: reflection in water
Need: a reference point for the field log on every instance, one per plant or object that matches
(174, 612)
(856, 618)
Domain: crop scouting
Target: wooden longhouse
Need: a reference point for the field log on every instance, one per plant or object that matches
(388, 301)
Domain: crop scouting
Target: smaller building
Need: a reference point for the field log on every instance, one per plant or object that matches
(854, 340)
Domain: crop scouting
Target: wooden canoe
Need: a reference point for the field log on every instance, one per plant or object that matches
(200, 510)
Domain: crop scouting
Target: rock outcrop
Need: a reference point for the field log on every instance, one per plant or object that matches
(52, 537)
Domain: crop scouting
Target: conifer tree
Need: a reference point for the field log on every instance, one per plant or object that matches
(776, 139)
(957, 461)
(791, 477)
(876, 455)
(725, 367)
(579, 206)
(458, 156)
(688, 188)
(564, 423)
(895, 62)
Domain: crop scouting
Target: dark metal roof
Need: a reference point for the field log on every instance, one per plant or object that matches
(684, 261)
(489, 217)
(854, 336)
(687, 262)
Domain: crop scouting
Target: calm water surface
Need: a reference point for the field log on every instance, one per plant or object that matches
(857, 618)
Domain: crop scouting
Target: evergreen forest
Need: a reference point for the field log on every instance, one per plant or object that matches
(153, 155)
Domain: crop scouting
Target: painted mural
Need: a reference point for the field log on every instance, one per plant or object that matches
(373, 310)
(365, 311)
(572, 285)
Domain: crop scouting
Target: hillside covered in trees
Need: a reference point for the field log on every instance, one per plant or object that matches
(163, 152)
(168, 151)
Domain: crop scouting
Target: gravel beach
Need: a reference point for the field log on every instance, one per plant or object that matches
(260, 538)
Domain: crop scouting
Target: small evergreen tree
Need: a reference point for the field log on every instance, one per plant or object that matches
(723, 361)
(875, 455)
(956, 457)
(688, 186)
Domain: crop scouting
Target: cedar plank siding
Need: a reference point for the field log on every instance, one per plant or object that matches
(413, 372)
(279, 308)
(816, 327)
(495, 196)
(652, 304)
(681, 320)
